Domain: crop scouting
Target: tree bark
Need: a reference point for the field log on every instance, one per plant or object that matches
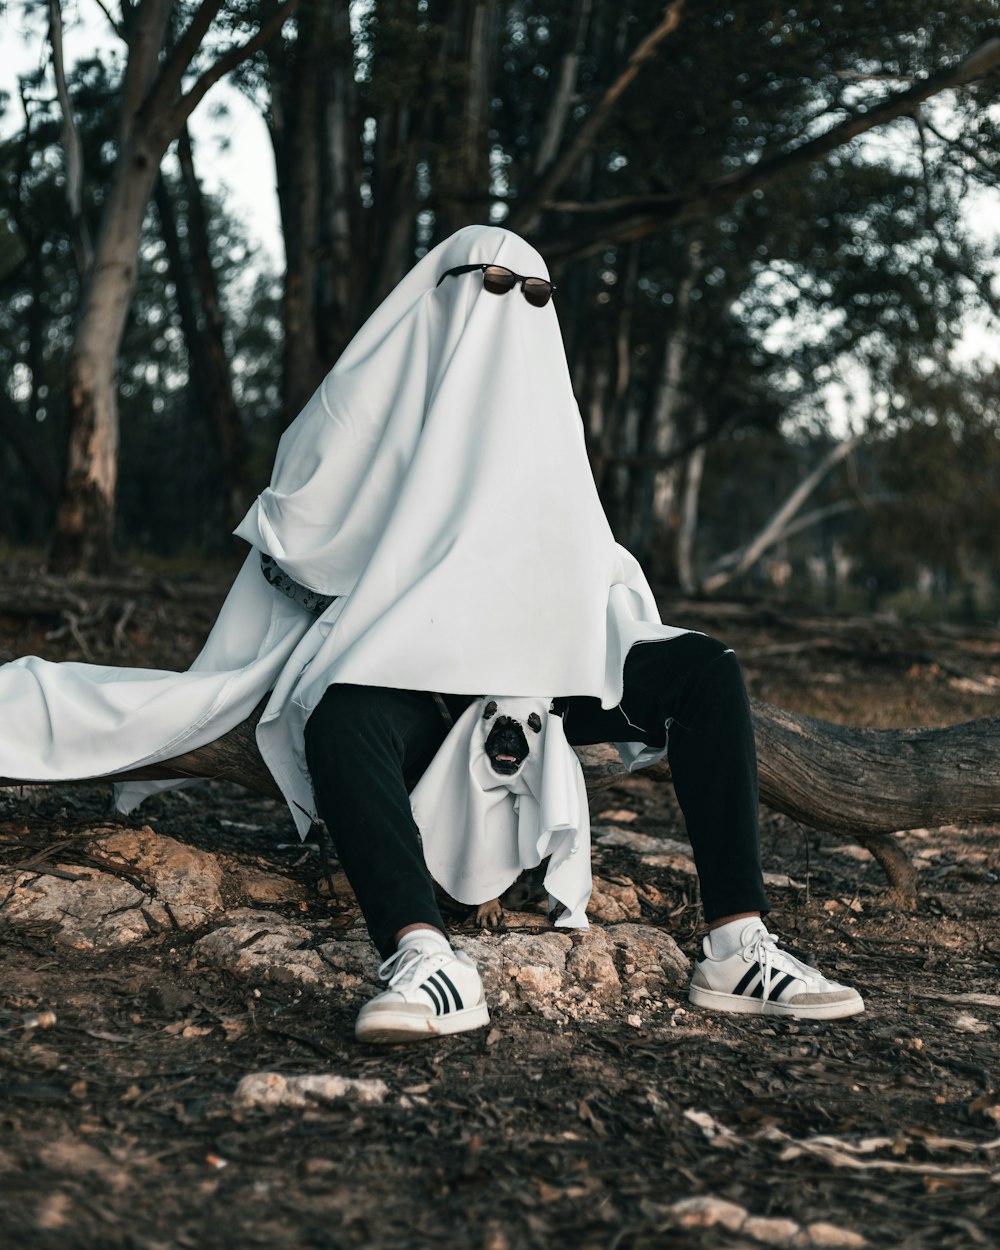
(153, 109)
(83, 249)
(85, 520)
(296, 82)
(860, 783)
(687, 521)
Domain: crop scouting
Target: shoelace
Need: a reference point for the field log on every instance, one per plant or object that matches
(765, 950)
(399, 967)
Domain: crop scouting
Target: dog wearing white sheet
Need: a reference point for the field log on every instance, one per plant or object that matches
(484, 814)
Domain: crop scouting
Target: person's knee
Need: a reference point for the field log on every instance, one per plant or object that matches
(650, 662)
(706, 648)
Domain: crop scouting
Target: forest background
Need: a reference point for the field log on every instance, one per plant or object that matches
(772, 226)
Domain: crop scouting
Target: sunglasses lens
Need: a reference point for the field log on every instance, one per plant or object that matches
(537, 291)
(497, 280)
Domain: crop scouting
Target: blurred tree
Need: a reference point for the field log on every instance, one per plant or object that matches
(173, 455)
(741, 202)
(942, 467)
(155, 104)
(724, 234)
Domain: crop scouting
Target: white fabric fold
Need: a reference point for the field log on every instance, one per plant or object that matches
(480, 829)
(438, 484)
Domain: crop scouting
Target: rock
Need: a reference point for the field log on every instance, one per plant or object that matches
(258, 946)
(968, 1023)
(271, 1091)
(612, 902)
(655, 955)
(88, 910)
(265, 888)
(772, 1232)
(184, 878)
(631, 840)
(705, 1211)
(564, 976)
(559, 975)
(652, 852)
(783, 881)
(823, 1234)
(591, 969)
(91, 909)
(675, 861)
(522, 969)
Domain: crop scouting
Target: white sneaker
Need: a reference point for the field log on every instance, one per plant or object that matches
(433, 990)
(762, 979)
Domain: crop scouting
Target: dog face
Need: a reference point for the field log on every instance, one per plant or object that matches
(507, 746)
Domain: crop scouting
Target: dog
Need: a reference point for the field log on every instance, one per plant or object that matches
(502, 812)
(507, 747)
(506, 744)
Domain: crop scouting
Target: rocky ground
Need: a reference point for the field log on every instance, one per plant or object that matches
(177, 993)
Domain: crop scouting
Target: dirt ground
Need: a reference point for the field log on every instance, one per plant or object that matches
(624, 1130)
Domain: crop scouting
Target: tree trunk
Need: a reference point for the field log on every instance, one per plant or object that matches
(155, 103)
(85, 521)
(295, 134)
(860, 783)
(220, 409)
(687, 527)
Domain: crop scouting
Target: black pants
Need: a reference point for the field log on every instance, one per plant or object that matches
(361, 741)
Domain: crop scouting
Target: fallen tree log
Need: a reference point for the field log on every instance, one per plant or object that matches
(865, 783)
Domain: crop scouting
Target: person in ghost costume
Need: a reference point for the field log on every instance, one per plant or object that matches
(431, 533)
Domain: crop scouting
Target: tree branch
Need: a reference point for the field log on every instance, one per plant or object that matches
(83, 249)
(664, 459)
(635, 217)
(538, 196)
(736, 563)
(117, 27)
(168, 80)
(554, 126)
(862, 783)
(185, 106)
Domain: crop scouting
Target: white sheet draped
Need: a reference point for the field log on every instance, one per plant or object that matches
(480, 829)
(438, 484)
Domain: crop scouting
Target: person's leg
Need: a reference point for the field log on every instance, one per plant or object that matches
(689, 691)
(361, 742)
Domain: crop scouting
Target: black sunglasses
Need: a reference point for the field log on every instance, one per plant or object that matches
(498, 280)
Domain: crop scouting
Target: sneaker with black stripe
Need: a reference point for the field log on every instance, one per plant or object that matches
(433, 990)
(763, 979)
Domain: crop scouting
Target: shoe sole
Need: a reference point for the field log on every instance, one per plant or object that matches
(386, 1026)
(739, 1004)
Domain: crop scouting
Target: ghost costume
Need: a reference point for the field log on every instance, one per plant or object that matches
(435, 495)
(437, 484)
(480, 829)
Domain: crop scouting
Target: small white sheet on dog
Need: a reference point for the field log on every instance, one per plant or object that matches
(480, 829)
